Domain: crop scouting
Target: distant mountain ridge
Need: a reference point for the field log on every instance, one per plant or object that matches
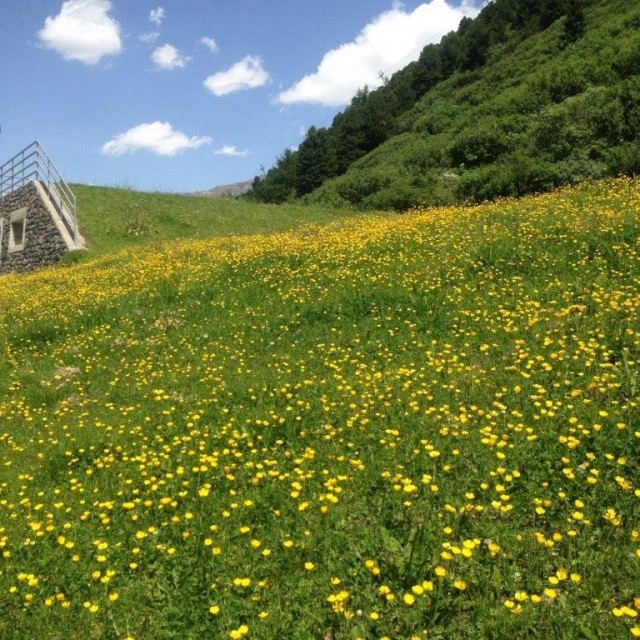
(227, 190)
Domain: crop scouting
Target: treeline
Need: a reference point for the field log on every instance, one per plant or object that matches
(373, 116)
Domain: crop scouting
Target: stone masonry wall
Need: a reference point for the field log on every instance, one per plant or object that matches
(43, 242)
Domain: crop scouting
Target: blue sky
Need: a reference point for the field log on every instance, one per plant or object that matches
(184, 95)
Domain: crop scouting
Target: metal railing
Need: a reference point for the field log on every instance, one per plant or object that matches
(32, 163)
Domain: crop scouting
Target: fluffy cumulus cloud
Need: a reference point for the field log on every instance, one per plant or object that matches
(210, 43)
(230, 150)
(157, 137)
(246, 74)
(156, 16)
(168, 58)
(83, 30)
(386, 45)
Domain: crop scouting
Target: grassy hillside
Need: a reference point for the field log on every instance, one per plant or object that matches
(537, 116)
(538, 113)
(420, 426)
(113, 219)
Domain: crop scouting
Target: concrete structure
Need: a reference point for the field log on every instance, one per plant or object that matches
(37, 213)
(32, 233)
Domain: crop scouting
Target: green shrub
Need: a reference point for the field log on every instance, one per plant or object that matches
(480, 144)
(397, 197)
(425, 153)
(484, 183)
(624, 159)
(556, 133)
(578, 167)
(515, 174)
(357, 186)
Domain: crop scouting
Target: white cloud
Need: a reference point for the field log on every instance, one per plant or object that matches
(386, 44)
(230, 150)
(210, 43)
(156, 16)
(158, 137)
(168, 58)
(149, 37)
(246, 74)
(83, 30)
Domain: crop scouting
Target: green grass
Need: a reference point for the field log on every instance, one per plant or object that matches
(419, 426)
(113, 219)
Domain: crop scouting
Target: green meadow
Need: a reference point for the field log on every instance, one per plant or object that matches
(120, 218)
(238, 421)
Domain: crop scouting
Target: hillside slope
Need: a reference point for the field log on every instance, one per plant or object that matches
(420, 426)
(113, 219)
(536, 117)
(507, 105)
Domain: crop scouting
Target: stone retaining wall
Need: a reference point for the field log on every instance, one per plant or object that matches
(43, 241)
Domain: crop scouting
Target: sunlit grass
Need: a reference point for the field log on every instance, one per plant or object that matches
(117, 218)
(419, 426)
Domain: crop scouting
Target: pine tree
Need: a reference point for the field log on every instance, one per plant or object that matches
(575, 22)
(550, 11)
(315, 161)
(279, 185)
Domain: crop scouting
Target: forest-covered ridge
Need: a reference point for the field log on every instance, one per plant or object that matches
(530, 95)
